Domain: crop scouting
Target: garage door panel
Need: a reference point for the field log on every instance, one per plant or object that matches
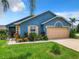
(54, 32)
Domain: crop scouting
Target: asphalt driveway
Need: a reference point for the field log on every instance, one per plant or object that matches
(70, 43)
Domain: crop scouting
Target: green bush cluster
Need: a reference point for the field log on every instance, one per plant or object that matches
(3, 34)
(35, 37)
(72, 33)
(16, 36)
(26, 34)
(32, 36)
(56, 49)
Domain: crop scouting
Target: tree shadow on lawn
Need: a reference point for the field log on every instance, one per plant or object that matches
(22, 56)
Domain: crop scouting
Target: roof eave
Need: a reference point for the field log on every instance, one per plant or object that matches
(54, 18)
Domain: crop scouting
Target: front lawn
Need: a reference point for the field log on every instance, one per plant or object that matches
(3, 42)
(35, 51)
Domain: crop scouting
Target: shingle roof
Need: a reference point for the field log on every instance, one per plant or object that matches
(19, 20)
(28, 18)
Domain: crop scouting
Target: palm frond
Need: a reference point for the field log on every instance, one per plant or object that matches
(73, 19)
(5, 5)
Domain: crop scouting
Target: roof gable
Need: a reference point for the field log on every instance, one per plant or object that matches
(55, 18)
(29, 17)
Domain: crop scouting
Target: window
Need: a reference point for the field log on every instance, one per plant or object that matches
(58, 24)
(33, 29)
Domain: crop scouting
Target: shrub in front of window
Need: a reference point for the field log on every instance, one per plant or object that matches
(32, 36)
(45, 37)
(39, 37)
(56, 49)
(43, 33)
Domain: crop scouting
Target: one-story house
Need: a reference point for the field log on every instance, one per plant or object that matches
(52, 25)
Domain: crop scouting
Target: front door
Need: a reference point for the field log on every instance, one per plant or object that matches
(12, 31)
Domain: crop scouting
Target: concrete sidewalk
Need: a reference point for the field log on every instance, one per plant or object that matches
(14, 42)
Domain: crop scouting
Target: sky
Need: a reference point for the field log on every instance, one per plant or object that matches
(20, 9)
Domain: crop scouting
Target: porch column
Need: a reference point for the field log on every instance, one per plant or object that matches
(18, 29)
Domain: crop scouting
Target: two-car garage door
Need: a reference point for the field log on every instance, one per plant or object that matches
(57, 32)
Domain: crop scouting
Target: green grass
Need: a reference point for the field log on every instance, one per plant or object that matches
(34, 51)
(2, 42)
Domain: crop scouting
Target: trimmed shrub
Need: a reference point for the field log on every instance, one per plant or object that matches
(32, 37)
(56, 49)
(25, 34)
(43, 33)
(17, 36)
(40, 37)
(22, 40)
(3, 34)
(19, 40)
(45, 37)
(72, 33)
(25, 39)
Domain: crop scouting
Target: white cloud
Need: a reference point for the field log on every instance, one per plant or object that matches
(16, 5)
(69, 14)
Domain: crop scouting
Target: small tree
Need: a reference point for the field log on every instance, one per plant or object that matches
(56, 49)
(78, 28)
(72, 33)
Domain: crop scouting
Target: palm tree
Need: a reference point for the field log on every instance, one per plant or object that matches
(5, 5)
(32, 6)
(73, 20)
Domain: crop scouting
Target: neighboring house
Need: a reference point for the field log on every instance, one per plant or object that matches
(53, 25)
(2, 27)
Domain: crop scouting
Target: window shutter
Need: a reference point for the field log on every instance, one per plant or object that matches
(37, 29)
(28, 29)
